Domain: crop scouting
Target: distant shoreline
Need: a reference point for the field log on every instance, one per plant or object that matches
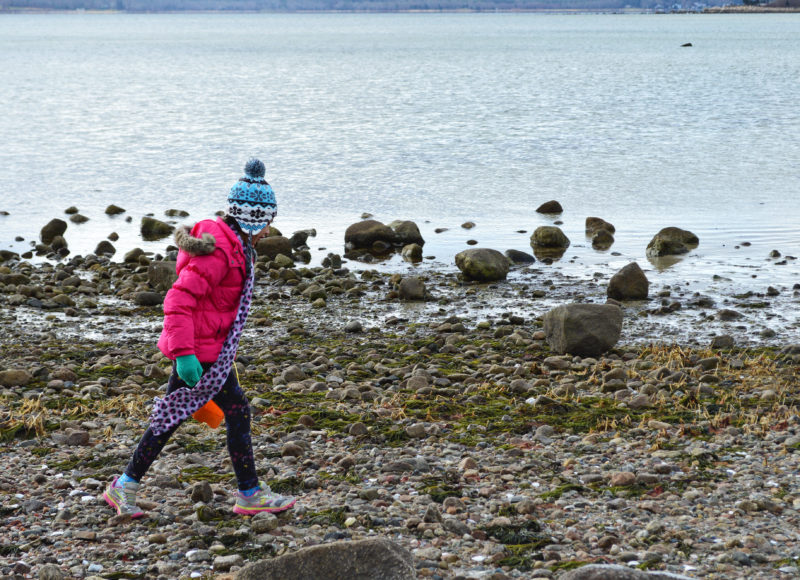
(708, 10)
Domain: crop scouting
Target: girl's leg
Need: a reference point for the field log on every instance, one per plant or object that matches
(150, 445)
(233, 402)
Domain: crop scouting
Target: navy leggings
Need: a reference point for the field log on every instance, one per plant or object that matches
(233, 402)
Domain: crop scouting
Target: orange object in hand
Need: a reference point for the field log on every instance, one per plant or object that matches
(210, 414)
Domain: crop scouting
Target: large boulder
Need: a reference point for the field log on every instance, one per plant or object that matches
(153, 229)
(372, 559)
(549, 237)
(595, 224)
(54, 227)
(617, 572)
(271, 246)
(551, 206)
(583, 329)
(406, 232)
(671, 242)
(364, 234)
(630, 283)
(483, 264)
(300, 237)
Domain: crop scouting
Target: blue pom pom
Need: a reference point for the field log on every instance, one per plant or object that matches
(255, 168)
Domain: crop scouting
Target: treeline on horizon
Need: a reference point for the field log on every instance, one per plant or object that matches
(334, 5)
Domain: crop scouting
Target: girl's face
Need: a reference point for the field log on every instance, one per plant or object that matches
(261, 234)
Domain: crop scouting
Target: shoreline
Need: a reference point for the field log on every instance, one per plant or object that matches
(709, 10)
(444, 426)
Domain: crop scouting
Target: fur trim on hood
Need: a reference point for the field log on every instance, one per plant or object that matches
(195, 246)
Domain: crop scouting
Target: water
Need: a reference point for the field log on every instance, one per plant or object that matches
(439, 118)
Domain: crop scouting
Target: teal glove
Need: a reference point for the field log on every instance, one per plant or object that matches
(189, 369)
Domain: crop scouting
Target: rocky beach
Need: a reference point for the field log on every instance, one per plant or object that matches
(429, 423)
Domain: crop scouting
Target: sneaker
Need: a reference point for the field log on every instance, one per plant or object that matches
(262, 501)
(123, 498)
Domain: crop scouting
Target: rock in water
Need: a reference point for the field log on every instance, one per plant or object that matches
(551, 206)
(153, 229)
(114, 210)
(412, 288)
(407, 232)
(373, 559)
(549, 237)
(602, 240)
(583, 329)
(630, 283)
(105, 247)
(273, 245)
(55, 227)
(671, 242)
(595, 224)
(364, 234)
(483, 264)
(517, 257)
(412, 253)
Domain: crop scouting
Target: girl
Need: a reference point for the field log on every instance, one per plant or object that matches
(204, 313)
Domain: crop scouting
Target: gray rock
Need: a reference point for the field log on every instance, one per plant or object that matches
(630, 283)
(161, 275)
(550, 207)
(583, 329)
(147, 299)
(549, 237)
(54, 227)
(58, 243)
(225, 563)
(50, 572)
(293, 374)
(412, 253)
(133, 255)
(363, 234)
(153, 229)
(602, 240)
(723, 341)
(78, 219)
(354, 326)
(105, 248)
(300, 237)
(406, 232)
(15, 378)
(201, 492)
(518, 257)
(614, 572)
(483, 264)
(412, 288)
(595, 224)
(373, 559)
(271, 246)
(671, 241)
(114, 210)
(77, 438)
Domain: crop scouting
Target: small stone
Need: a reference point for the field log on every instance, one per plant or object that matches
(202, 492)
(622, 479)
(225, 563)
(50, 572)
(292, 450)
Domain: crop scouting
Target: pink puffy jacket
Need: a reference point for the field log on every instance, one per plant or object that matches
(201, 306)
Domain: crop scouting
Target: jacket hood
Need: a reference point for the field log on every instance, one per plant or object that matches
(192, 245)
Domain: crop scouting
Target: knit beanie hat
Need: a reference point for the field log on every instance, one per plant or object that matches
(251, 201)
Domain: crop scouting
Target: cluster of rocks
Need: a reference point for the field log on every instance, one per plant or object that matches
(421, 445)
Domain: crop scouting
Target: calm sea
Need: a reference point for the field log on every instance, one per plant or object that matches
(438, 118)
